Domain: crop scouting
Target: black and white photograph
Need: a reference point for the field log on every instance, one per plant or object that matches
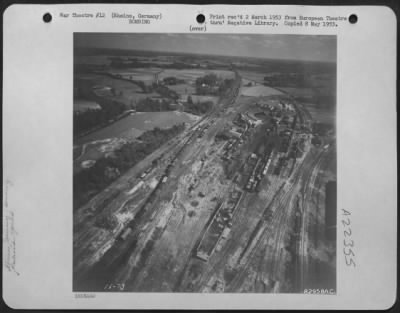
(199, 157)
(204, 163)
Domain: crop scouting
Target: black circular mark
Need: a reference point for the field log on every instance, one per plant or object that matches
(200, 18)
(353, 19)
(47, 17)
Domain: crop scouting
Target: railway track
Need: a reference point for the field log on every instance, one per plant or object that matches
(276, 227)
(307, 193)
(258, 252)
(166, 155)
(278, 222)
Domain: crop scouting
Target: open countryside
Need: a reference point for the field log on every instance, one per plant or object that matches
(142, 121)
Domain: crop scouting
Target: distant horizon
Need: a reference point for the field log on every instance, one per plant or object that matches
(306, 48)
(203, 54)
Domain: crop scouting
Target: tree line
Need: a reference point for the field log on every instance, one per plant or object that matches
(91, 119)
(211, 84)
(198, 108)
(91, 181)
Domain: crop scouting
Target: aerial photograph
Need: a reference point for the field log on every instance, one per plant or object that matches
(204, 163)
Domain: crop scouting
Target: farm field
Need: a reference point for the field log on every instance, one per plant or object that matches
(200, 99)
(86, 80)
(125, 91)
(146, 75)
(298, 92)
(141, 121)
(190, 75)
(92, 59)
(260, 91)
(137, 71)
(157, 62)
(130, 93)
(146, 58)
(134, 97)
(323, 80)
(183, 89)
(321, 114)
(89, 81)
(118, 84)
(249, 76)
(223, 74)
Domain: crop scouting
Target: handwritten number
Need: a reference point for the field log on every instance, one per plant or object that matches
(347, 233)
(350, 252)
(114, 286)
(351, 262)
(346, 223)
(346, 212)
(348, 245)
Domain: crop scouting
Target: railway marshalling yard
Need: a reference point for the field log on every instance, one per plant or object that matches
(234, 203)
